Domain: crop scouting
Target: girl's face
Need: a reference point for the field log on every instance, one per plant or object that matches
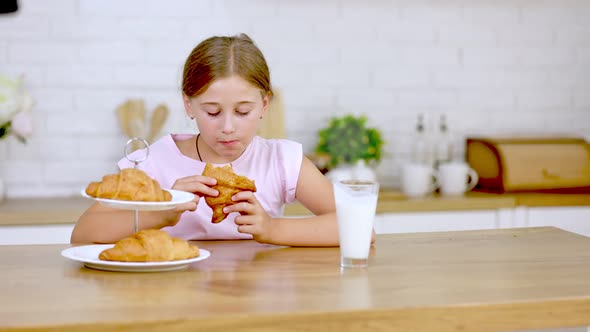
(227, 115)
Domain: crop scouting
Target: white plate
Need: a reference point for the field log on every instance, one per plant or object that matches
(89, 256)
(178, 197)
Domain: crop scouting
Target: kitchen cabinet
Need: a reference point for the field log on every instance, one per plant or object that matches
(575, 219)
(387, 223)
(36, 234)
(51, 220)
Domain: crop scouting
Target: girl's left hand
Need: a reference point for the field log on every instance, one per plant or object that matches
(253, 219)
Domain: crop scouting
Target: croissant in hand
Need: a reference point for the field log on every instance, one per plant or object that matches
(129, 185)
(150, 245)
(228, 184)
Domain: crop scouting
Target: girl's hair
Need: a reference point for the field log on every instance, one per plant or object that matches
(221, 57)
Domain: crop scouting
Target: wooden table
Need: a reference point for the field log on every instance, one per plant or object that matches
(488, 280)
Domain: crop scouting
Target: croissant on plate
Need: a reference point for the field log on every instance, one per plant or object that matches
(130, 184)
(150, 245)
(228, 184)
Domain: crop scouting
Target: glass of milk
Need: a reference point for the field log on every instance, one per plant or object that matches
(356, 202)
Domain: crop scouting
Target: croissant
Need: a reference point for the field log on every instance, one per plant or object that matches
(129, 185)
(150, 245)
(228, 184)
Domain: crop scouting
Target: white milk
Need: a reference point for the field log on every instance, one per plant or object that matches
(355, 223)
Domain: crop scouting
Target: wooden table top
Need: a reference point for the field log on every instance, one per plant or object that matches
(488, 280)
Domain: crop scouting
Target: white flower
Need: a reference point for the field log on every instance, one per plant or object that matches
(22, 125)
(8, 102)
(15, 109)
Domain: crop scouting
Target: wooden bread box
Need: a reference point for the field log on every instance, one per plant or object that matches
(537, 164)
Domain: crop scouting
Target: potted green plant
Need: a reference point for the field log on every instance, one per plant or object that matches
(347, 140)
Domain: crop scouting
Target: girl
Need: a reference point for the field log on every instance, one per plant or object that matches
(226, 90)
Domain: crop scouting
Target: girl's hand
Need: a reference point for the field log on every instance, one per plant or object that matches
(198, 185)
(253, 219)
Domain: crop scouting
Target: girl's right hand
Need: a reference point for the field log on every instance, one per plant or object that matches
(198, 185)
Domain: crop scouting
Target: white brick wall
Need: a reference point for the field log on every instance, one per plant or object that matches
(491, 66)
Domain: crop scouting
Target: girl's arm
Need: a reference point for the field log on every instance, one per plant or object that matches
(101, 224)
(315, 192)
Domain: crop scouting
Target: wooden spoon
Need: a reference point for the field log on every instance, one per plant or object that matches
(136, 121)
(123, 115)
(157, 121)
(272, 124)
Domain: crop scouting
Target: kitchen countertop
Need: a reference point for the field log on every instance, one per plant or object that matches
(484, 280)
(66, 210)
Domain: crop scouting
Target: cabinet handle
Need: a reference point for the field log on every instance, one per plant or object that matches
(548, 175)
